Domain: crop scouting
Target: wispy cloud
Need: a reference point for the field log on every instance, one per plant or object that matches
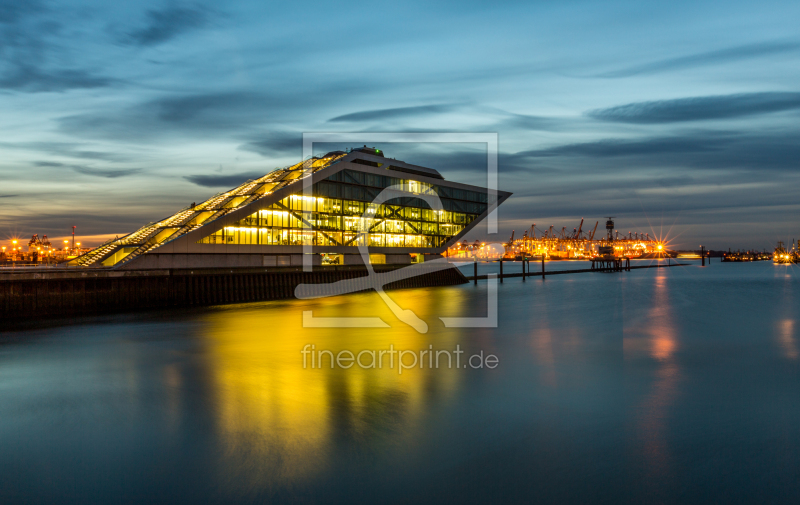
(85, 170)
(275, 144)
(738, 152)
(531, 123)
(396, 113)
(235, 113)
(12, 11)
(28, 41)
(181, 109)
(623, 147)
(68, 150)
(109, 174)
(24, 77)
(699, 108)
(727, 55)
(168, 23)
(219, 181)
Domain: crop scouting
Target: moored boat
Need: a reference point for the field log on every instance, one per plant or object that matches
(781, 255)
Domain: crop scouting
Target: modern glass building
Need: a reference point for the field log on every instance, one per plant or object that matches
(326, 206)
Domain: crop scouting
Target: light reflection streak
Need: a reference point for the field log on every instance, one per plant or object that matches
(542, 340)
(785, 327)
(660, 343)
(787, 339)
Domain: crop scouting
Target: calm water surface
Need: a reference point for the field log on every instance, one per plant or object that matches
(676, 385)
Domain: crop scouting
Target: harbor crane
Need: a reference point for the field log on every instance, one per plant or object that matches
(591, 237)
(511, 240)
(579, 244)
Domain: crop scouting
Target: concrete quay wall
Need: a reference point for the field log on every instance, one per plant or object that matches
(32, 293)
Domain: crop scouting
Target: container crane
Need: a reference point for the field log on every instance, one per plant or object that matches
(591, 237)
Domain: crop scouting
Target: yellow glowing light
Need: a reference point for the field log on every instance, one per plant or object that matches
(660, 247)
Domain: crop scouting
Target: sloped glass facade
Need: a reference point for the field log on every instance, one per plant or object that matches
(153, 235)
(334, 214)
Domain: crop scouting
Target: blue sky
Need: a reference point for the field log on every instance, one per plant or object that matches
(684, 114)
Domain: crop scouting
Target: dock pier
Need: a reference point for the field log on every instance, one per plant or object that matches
(620, 267)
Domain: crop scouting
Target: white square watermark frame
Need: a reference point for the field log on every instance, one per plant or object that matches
(405, 315)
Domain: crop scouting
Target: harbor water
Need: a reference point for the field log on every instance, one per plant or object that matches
(668, 385)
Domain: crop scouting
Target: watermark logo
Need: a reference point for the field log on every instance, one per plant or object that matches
(404, 359)
(378, 281)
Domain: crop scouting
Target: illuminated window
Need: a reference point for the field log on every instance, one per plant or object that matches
(335, 215)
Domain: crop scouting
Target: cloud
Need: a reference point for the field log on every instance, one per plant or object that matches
(275, 144)
(533, 123)
(68, 149)
(167, 23)
(622, 147)
(109, 174)
(12, 11)
(95, 172)
(400, 112)
(734, 152)
(699, 108)
(26, 44)
(8, 196)
(572, 193)
(727, 55)
(230, 113)
(28, 78)
(191, 108)
(238, 113)
(218, 181)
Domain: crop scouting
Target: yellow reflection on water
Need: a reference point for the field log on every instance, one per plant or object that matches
(660, 322)
(787, 339)
(655, 336)
(279, 420)
(542, 341)
(784, 327)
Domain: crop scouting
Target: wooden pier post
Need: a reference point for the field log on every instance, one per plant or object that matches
(501, 270)
(542, 266)
(475, 268)
(523, 269)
